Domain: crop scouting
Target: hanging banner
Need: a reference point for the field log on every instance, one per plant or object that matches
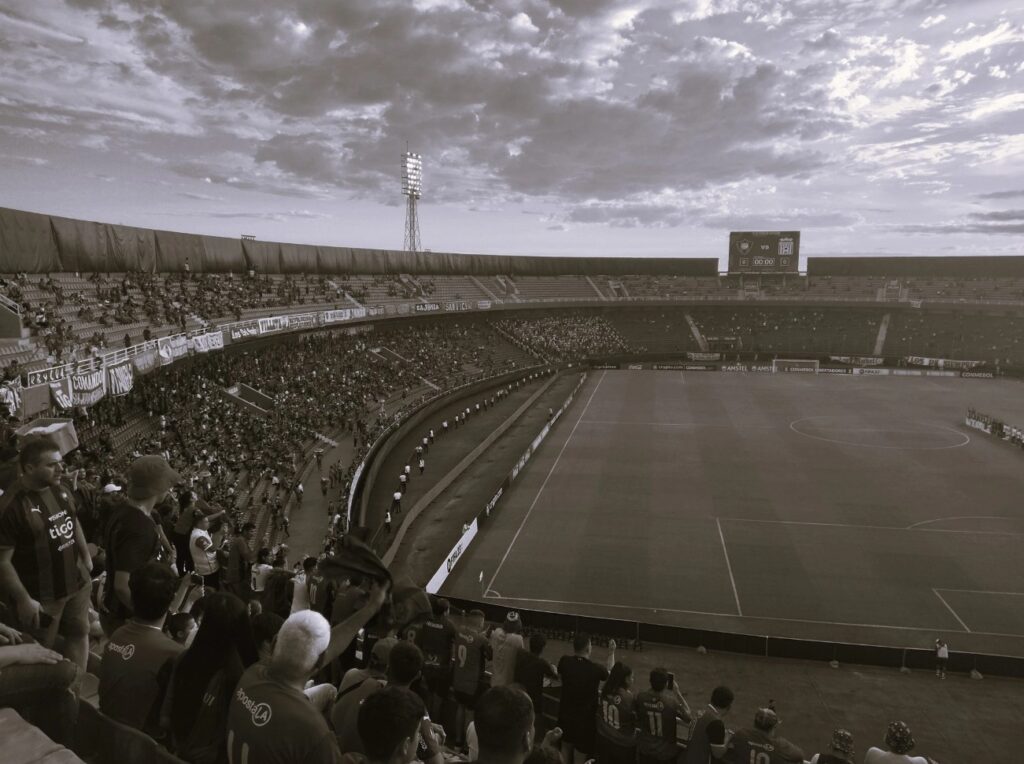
(60, 391)
(857, 360)
(703, 356)
(337, 316)
(145, 361)
(301, 321)
(244, 330)
(483, 304)
(273, 324)
(426, 307)
(42, 376)
(199, 343)
(942, 363)
(120, 379)
(172, 348)
(10, 397)
(87, 389)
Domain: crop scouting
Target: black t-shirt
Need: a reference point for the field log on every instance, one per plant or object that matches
(530, 672)
(581, 678)
(134, 674)
(131, 541)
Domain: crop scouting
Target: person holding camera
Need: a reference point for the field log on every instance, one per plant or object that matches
(658, 709)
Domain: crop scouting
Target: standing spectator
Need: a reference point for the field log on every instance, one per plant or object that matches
(182, 533)
(240, 560)
(472, 651)
(137, 659)
(900, 743)
(300, 591)
(38, 684)
(204, 551)
(531, 670)
(762, 743)
(941, 658)
(840, 749)
(577, 711)
(396, 501)
(505, 641)
(45, 565)
(404, 663)
(387, 521)
(616, 718)
(131, 538)
(270, 718)
(423, 464)
(403, 482)
(260, 571)
(435, 636)
(658, 709)
(285, 523)
(708, 741)
(204, 677)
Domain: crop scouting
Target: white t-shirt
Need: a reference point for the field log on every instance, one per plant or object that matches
(300, 594)
(942, 651)
(878, 756)
(204, 556)
(503, 649)
(260, 571)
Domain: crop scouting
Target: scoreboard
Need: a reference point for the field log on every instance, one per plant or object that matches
(764, 251)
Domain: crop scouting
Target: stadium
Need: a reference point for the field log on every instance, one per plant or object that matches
(561, 489)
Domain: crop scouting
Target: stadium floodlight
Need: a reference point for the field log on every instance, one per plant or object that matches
(412, 188)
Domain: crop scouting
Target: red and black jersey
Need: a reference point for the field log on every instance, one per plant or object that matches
(471, 653)
(656, 718)
(40, 527)
(321, 594)
(436, 637)
(616, 717)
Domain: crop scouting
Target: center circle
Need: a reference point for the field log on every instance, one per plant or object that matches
(900, 434)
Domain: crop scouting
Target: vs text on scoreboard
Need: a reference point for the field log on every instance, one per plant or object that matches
(764, 252)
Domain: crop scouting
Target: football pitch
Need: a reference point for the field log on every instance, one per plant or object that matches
(854, 509)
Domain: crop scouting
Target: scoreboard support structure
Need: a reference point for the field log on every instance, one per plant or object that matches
(795, 364)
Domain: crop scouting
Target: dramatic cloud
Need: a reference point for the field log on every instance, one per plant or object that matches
(617, 123)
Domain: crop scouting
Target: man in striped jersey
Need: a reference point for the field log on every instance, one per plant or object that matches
(44, 561)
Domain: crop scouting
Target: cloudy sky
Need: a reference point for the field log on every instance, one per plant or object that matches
(582, 127)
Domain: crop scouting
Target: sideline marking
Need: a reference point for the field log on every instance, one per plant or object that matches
(951, 610)
(636, 609)
(962, 517)
(732, 580)
(977, 591)
(544, 484)
(680, 424)
(964, 442)
(870, 527)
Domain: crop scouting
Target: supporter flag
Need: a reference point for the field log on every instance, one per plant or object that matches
(409, 603)
(354, 560)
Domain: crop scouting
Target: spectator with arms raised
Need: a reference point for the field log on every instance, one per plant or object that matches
(657, 711)
(271, 720)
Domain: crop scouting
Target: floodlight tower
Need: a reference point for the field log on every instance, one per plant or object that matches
(412, 187)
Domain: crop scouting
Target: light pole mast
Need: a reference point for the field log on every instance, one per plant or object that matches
(412, 188)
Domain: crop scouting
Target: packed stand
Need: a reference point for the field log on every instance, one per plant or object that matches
(565, 336)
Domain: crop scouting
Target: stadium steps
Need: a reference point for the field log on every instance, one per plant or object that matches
(695, 331)
(600, 294)
(883, 330)
(484, 289)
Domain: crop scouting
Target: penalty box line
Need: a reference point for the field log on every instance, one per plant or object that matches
(490, 584)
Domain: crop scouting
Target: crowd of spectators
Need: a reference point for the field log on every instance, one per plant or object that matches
(564, 337)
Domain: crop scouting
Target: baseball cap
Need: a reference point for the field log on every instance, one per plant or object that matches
(898, 738)
(765, 718)
(150, 476)
(842, 741)
(111, 488)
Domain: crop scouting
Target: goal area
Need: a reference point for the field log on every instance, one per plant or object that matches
(795, 364)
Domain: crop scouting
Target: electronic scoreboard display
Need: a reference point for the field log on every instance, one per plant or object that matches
(764, 251)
